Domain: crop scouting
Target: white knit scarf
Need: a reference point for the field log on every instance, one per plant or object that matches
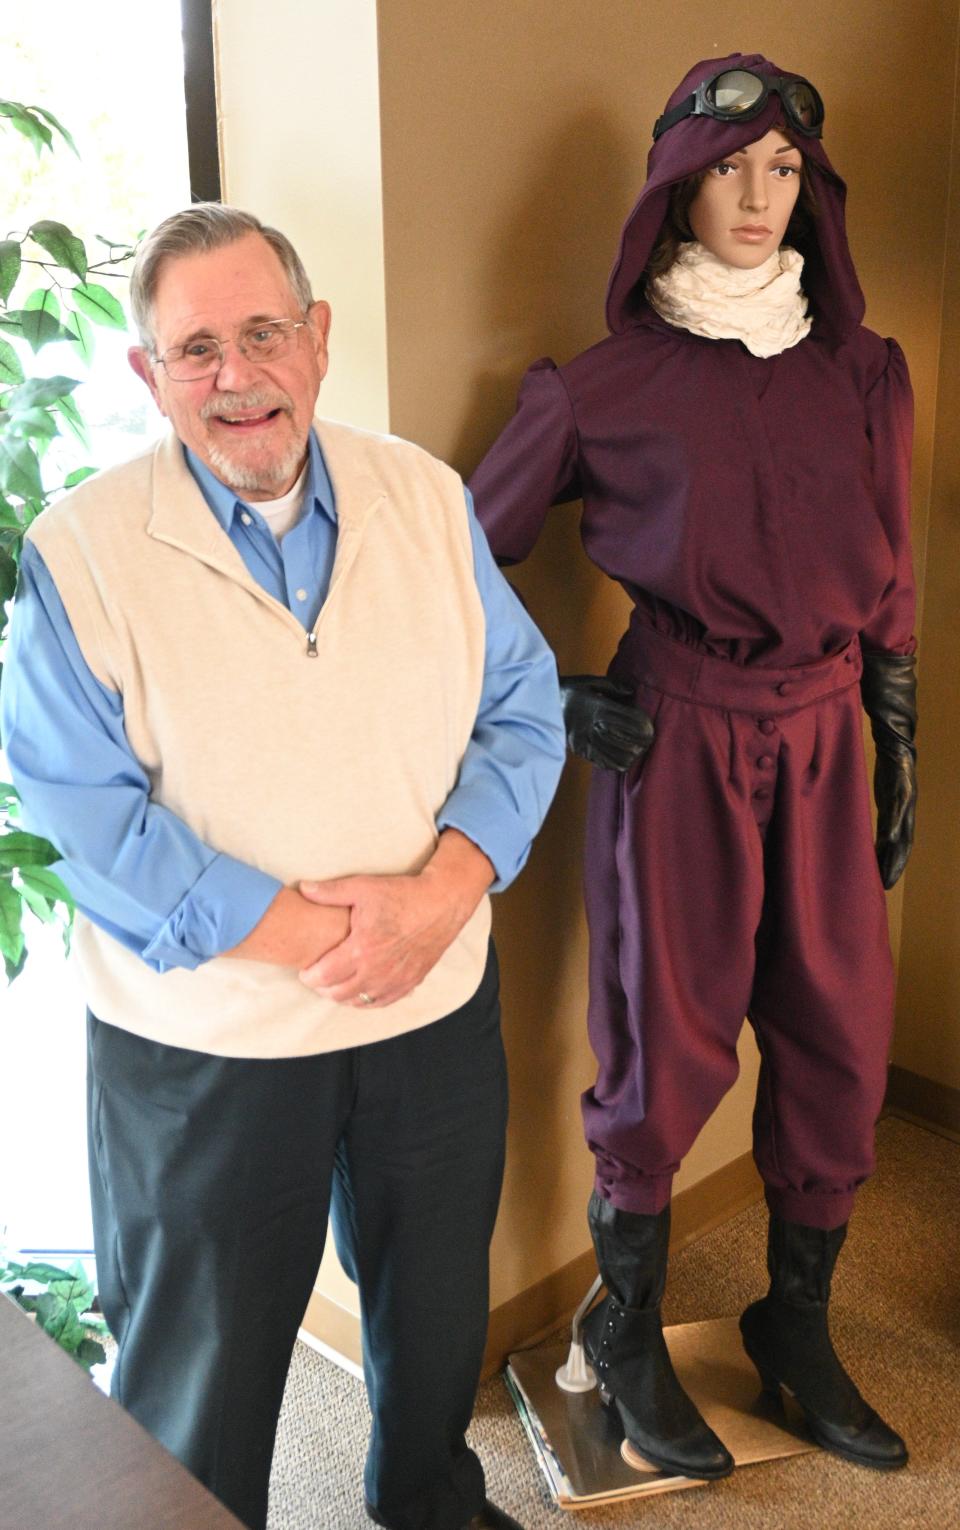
(764, 307)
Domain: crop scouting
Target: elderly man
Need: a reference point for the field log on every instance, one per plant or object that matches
(272, 700)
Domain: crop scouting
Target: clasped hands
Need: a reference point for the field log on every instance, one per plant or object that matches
(398, 926)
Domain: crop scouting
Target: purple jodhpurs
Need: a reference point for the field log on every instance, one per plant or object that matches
(733, 873)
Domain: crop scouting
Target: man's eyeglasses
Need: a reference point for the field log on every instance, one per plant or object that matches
(203, 356)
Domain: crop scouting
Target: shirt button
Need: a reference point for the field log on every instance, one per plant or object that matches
(762, 793)
(767, 725)
(765, 761)
(301, 594)
(848, 658)
(246, 519)
(783, 689)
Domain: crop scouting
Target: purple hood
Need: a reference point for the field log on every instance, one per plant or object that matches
(696, 143)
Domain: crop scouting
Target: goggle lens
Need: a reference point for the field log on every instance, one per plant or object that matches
(734, 92)
(803, 102)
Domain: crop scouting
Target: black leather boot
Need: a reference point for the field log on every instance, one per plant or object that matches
(623, 1339)
(787, 1336)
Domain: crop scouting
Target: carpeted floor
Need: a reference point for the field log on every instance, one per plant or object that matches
(895, 1320)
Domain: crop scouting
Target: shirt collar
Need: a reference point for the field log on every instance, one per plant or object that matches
(225, 502)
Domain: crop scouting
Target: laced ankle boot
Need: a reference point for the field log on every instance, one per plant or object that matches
(623, 1338)
(786, 1334)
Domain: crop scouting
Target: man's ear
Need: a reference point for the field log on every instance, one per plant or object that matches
(318, 316)
(139, 359)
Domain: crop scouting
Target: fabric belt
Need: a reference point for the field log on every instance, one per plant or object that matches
(646, 657)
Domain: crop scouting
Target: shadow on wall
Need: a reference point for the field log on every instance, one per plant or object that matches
(545, 270)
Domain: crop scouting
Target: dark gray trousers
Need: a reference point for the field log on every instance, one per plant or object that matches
(212, 1180)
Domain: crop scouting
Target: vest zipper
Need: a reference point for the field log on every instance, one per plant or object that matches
(312, 645)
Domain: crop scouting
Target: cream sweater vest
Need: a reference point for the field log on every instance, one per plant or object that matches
(305, 767)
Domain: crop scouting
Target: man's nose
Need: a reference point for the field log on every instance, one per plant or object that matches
(236, 370)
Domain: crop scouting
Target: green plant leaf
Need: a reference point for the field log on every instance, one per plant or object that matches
(73, 417)
(77, 476)
(46, 884)
(42, 390)
(81, 332)
(8, 576)
(18, 848)
(33, 424)
(90, 1353)
(98, 304)
(29, 510)
(19, 468)
(67, 250)
(9, 797)
(37, 904)
(42, 1274)
(43, 300)
(24, 122)
(10, 259)
(11, 370)
(11, 932)
(36, 325)
(9, 519)
(41, 111)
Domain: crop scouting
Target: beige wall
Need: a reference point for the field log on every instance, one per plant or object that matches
(512, 141)
(928, 1020)
(307, 159)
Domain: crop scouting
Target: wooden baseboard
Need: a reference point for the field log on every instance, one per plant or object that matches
(545, 1306)
(923, 1101)
(336, 1328)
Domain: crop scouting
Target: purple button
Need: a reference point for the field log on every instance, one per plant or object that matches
(767, 725)
(765, 761)
(783, 689)
(762, 793)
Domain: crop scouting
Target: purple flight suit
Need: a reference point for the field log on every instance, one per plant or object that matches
(756, 511)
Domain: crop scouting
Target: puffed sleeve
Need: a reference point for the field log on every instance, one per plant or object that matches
(890, 428)
(531, 466)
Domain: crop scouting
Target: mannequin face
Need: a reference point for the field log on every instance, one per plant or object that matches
(741, 211)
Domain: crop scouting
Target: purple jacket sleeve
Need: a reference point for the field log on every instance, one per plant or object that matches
(531, 466)
(890, 427)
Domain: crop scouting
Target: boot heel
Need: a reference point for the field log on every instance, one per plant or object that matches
(768, 1381)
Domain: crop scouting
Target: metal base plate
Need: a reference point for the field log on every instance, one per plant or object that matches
(577, 1441)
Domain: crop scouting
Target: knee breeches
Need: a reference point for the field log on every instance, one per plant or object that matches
(731, 874)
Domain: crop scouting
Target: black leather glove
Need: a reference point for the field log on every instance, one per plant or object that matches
(604, 724)
(888, 688)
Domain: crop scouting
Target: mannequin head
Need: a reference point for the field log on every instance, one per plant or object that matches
(744, 207)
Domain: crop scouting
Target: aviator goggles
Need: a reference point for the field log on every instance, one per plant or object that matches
(736, 95)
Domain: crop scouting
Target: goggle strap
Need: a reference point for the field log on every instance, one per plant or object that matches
(676, 114)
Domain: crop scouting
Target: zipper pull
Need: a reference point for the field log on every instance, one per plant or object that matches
(312, 645)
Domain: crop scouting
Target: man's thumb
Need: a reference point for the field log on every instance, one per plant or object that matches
(336, 890)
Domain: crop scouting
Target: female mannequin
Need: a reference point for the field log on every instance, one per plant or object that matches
(741, 445)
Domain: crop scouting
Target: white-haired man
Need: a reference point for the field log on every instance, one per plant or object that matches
(270, 697)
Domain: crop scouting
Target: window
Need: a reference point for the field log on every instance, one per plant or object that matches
(117, 83)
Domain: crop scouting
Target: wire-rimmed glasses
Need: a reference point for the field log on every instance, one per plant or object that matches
(266, 340)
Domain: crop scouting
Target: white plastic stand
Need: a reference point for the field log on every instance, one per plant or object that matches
(576, 1375)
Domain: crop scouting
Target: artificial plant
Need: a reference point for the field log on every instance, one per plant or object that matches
(50, 292)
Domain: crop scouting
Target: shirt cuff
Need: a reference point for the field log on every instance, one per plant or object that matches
(224, 904)
(501, 835)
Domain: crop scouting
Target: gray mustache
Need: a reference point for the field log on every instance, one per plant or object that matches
(257, 398)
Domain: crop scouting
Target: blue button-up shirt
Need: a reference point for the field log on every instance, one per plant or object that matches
(137, 869)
